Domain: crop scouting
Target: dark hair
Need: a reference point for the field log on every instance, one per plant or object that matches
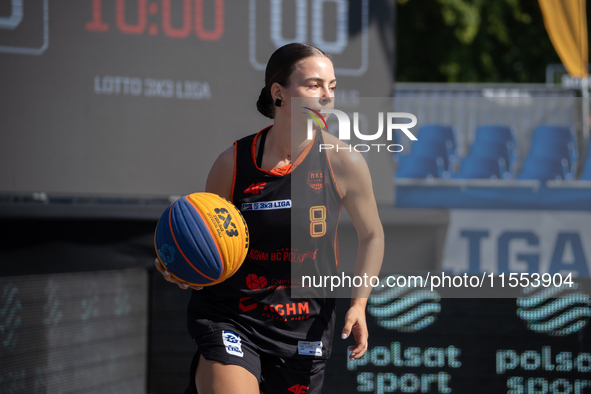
(279, 68)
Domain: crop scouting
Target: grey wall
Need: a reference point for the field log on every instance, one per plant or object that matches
(74, 333)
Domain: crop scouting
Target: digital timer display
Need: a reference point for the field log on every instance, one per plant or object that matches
(137, 16)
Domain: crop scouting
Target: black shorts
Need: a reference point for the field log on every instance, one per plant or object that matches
(225, 344)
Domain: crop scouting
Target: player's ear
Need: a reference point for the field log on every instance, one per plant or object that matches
(276, 92)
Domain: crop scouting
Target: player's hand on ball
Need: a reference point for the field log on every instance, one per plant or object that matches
(170, 279)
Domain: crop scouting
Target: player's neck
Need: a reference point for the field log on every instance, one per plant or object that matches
(278, 145)
(285, 144)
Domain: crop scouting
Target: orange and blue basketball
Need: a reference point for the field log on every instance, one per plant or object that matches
(202, 239)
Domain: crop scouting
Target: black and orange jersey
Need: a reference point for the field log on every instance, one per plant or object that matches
(257, 298)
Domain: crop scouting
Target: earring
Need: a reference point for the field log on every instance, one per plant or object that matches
(278, 102)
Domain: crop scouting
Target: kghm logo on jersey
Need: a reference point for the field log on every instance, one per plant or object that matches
(253, 282)
(285, 312)
(316, 180)
(288, 312)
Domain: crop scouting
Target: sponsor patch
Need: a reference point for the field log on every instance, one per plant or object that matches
(298, 389)
(266, 205)
(316, 180)
(310, 348)
(232, 342)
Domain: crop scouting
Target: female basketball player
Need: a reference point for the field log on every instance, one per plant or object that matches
(252, 336)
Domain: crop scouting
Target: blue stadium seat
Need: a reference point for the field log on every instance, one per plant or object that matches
(419, 167)
(556, 152)
(542, 169)
(478, 167)
(552, 134)
(497, 133)
(497, 150)
(586, 172)
(439, 133)
(432, 149)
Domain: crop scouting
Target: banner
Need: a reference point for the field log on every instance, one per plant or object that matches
(566, 23)
(502, 241)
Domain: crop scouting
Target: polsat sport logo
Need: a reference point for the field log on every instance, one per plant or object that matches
(555, 310)
(405, 309)
(344, 133)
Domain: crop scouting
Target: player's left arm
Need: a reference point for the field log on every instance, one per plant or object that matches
(354, 181)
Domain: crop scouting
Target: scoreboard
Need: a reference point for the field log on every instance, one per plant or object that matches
(138, 97)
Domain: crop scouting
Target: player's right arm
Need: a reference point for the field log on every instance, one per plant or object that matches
(219, 181)
(221, 176)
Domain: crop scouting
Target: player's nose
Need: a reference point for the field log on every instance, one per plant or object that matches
(326, 97)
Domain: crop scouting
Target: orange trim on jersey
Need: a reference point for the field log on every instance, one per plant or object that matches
(334, 180)
(336, 238)
(279, 171)
(234, 178)
(253, 147)
(177, 244)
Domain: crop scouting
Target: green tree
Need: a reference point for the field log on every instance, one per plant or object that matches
(472, 41)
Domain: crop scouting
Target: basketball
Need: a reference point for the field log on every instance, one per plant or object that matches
(201, 239)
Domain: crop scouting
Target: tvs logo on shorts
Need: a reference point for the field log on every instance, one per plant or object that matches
(298, 389)
(316, 180)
